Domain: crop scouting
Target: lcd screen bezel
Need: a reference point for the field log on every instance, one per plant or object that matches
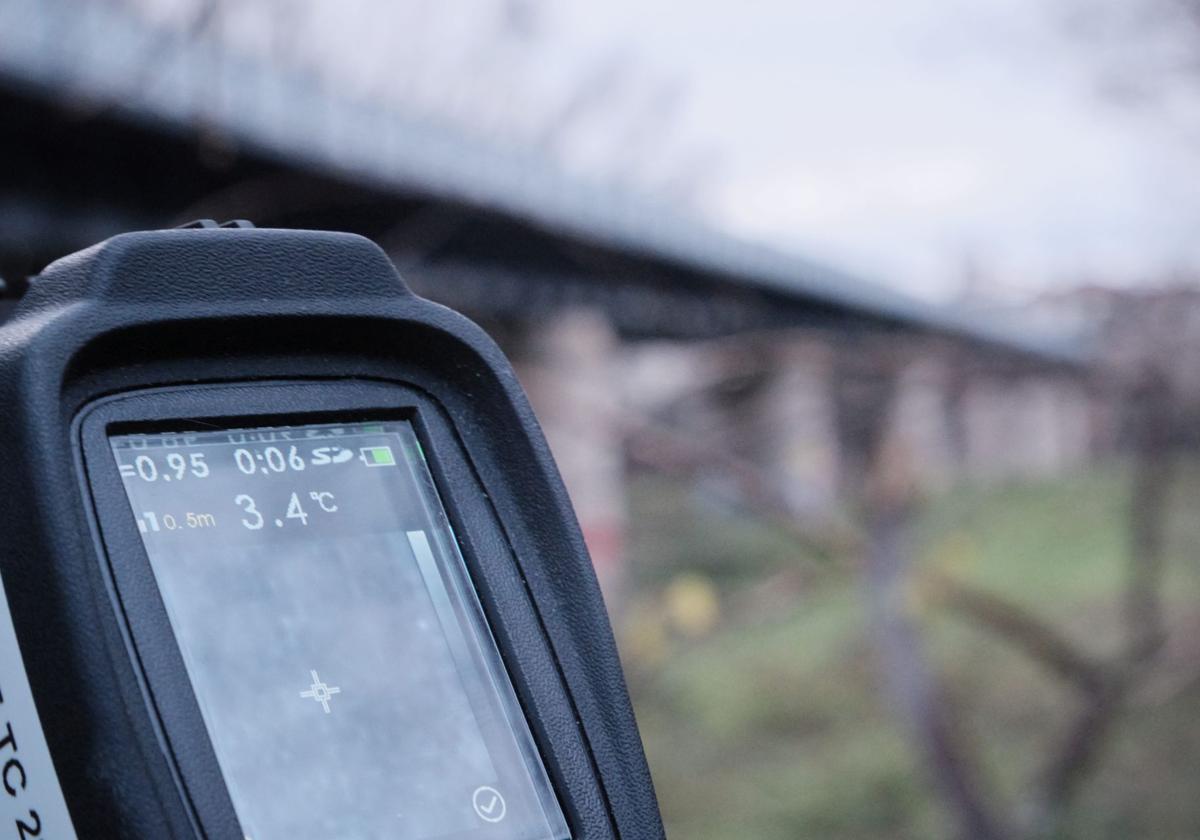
(164, 684)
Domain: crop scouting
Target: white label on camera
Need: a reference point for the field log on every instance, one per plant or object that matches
(31, 800)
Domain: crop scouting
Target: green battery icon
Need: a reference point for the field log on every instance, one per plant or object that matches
(377, 456)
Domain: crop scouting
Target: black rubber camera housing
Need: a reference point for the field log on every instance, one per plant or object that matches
(274, 326)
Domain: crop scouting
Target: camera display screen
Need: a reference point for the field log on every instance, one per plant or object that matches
(343, 666)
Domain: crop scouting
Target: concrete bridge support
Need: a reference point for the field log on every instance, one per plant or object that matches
(569, 366)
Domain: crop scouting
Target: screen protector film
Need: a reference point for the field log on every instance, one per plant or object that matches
(343, 666)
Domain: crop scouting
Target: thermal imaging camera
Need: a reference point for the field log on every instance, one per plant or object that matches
(284, 555)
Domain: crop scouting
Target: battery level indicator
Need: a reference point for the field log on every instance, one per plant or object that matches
(377, 456)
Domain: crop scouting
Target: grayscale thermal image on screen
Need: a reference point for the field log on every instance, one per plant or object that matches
(342, 663)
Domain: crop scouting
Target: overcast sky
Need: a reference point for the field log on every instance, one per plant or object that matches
(904, 139)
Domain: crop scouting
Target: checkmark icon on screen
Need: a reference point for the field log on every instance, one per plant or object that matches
(489, 804)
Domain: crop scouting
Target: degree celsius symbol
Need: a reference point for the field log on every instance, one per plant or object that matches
(324, 499)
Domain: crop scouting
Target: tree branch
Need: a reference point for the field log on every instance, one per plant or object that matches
(912, 682)
(1036, 638)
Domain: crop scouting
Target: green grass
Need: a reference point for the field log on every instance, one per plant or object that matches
(775, 725)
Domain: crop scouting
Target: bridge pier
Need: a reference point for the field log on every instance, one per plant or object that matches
(793, 424)
(569, 365)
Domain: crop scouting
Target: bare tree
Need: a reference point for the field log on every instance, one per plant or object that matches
(1146, 383)
(491, 68)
